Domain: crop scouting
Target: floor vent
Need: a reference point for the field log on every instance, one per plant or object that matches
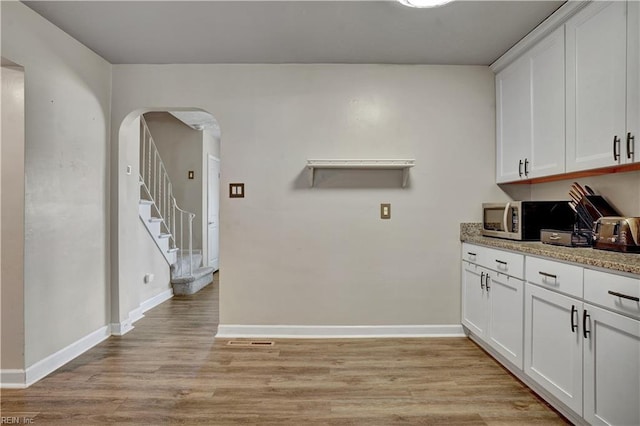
(250, 343)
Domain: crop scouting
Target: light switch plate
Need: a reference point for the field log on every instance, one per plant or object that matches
(236, 190)
(385, 211)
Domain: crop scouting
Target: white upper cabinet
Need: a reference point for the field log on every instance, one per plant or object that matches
(546, 156)
(513, 120)
(631, 144)
(568, 95)
(596, 75)
(530, 112)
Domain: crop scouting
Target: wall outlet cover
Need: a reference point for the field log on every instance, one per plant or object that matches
(236, 190)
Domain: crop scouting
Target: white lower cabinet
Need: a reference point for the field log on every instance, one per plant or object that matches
(506, 316)
(475, 300)
(553, 344)
(611, 368)
(573, 331)
(492, 309)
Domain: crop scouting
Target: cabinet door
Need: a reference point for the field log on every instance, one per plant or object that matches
(506, 316)
(513, 120)
(474, 299)
(553, 344)
(632, 146)
(611, 369)
(596, 85)
(546, 155)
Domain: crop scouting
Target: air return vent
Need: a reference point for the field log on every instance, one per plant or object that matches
(254, 343)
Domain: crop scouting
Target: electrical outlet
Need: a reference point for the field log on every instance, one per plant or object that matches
(148, 278)
(385, 211)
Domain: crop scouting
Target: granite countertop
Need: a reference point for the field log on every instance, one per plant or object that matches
(623, 262)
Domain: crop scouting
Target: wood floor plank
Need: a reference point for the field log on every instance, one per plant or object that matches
(170, 370)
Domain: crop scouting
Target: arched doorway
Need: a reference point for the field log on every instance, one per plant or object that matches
(139, 279)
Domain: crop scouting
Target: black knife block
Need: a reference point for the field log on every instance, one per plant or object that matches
(588, 211)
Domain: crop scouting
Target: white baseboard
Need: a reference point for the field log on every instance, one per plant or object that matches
(231, 331)
(12, 379)
(51, 363)
(156, 300)
(121, 328)
(136, 315)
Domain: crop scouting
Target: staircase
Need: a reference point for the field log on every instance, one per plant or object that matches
(199, 277)
(170, 227)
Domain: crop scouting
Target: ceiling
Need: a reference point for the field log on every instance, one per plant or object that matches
(384, 32)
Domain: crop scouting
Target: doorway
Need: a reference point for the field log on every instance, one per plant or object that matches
(184, 152)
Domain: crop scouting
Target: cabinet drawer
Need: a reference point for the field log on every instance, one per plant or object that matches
(614, 292)
(555, 275)
(505, 262)
(473, 254)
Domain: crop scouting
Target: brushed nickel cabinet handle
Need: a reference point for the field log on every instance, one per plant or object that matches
(624, 296)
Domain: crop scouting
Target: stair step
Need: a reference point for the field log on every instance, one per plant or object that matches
(164, 236)
(173, 250)
(197, 273)
(155, 219)
(146, 202)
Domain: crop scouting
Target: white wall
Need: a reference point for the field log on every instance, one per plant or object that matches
(622, 190)
(12, 212)
(140, 255)
(68, 89)
(150, 261)
(321, 256)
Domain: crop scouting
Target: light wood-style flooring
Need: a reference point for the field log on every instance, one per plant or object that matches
(169, 369)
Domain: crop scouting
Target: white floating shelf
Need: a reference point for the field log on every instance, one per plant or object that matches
(404, 165)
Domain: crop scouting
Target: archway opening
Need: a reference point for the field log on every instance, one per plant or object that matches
(165, 216)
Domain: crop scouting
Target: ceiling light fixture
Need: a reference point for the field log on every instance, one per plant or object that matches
(424, 3)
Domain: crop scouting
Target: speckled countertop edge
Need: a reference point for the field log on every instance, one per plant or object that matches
(623, 262)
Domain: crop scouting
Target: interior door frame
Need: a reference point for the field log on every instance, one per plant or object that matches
(214, 158)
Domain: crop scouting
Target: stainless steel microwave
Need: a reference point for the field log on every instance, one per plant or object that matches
(523, 220)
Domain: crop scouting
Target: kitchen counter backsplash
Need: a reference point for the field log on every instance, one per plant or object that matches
(623, 262)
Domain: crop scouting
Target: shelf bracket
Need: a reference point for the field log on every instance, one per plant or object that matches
(312, 173)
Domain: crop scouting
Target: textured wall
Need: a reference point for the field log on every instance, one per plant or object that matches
(68, 94)
(296, 255)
